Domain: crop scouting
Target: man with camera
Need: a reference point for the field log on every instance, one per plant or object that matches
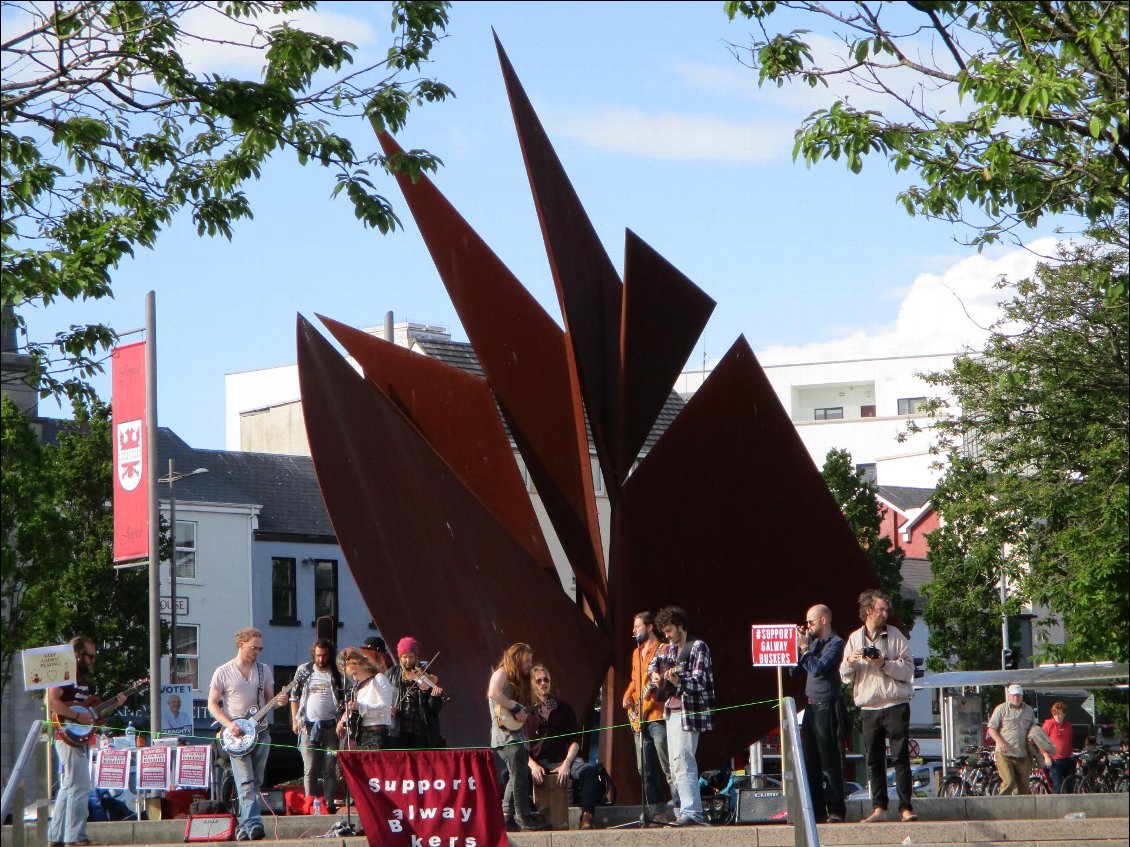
(878, 666)
(821, 734)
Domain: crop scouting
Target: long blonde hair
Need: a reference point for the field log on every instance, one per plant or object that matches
(511, 662)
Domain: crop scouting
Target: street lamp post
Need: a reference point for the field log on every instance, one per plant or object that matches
(171, 479)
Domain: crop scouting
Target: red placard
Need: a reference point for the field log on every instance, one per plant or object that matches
(131, 487)
(194, 764)
(111, 770)
(774, 645)
(154, 768)
(426, 797)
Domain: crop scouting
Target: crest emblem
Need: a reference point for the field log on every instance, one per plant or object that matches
(129, 454)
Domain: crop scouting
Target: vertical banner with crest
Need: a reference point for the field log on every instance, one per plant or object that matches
(131, 492)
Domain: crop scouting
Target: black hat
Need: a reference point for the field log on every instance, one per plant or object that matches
(374, 643)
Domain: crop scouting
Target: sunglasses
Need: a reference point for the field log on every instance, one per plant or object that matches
(811, 623)
(542, 681)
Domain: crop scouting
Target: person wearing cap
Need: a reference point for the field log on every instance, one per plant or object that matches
(376, 651)
(418, 700)
(1009, 726)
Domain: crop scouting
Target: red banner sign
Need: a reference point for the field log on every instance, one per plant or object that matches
(131, 487)
(426, 798)
(774, 645)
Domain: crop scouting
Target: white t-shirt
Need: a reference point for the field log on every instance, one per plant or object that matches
(320, 697)
(241, 694)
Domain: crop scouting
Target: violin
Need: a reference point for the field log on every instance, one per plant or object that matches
(426, 681)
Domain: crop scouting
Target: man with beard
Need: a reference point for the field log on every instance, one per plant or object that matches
(68, 822)
(315, 707)
(821, 651)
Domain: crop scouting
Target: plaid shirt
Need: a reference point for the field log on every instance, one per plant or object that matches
(696, 684)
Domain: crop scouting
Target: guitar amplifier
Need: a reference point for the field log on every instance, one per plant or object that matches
(759, 805)
(209, 828)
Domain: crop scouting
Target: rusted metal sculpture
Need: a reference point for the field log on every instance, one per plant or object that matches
(726, 516)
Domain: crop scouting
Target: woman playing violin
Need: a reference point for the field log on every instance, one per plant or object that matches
(419, 698)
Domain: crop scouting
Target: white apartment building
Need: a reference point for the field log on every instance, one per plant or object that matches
(859, 405)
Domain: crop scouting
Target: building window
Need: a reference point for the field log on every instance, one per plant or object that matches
(910, 405)
(325, 588)
(830, 413)
(867, 411)
(186, 550)
(187, 671)
(869, 471)
(284, 592)
(280, 717)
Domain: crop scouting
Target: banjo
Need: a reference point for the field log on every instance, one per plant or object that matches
(254, 720)
(78, 734)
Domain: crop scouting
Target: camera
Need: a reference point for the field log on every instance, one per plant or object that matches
(870, 652)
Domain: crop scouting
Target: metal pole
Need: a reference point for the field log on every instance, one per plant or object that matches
(1004, 621)
(154, 511)
(173, 576)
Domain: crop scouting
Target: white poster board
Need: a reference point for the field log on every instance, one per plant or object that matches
(49, 667)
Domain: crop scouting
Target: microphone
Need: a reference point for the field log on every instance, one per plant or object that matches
(641, 637)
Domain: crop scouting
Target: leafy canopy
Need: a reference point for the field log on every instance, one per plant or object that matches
(1042, 126)
(57, 578)
(1037, 472)
(857, 498)
(108, 133)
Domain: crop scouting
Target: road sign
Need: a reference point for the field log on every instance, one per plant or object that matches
(774, 645)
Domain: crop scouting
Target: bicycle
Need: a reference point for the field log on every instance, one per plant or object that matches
(1040, 781)
(974, 778)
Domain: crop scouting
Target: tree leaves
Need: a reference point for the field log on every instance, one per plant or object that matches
(100, 153)
(1038, 463)
(1048, 126)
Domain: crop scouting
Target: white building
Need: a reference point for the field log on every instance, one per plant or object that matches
(859, 405)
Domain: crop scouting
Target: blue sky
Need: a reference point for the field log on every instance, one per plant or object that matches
(660, 129)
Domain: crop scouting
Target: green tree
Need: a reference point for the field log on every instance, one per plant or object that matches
(857, 497)
(58, 577)
(1037, 462)
(1043, 126)
(108, 134)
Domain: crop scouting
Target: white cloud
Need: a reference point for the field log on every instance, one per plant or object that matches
(939, 314)
(223, 42)
(670, 135)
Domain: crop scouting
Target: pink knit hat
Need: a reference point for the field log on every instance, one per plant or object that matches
(407, 644)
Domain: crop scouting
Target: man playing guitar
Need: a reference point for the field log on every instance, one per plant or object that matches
(509, 694)
(68, 823)
(651, 747)
(236, 687)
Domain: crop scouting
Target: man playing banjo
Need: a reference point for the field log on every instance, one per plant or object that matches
(236, 687)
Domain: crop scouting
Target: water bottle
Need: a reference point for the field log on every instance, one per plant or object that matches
(131, 735)
(317, 806)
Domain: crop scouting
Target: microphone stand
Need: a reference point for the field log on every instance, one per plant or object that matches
(645, 819)
(347, 828)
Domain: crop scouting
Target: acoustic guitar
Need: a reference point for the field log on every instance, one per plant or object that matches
(506, 719)
(78, 734)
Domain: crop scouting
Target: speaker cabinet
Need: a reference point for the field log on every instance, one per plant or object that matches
(752, 805)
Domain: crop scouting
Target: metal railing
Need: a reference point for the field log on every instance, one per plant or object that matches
(13, 797)
(795, 779)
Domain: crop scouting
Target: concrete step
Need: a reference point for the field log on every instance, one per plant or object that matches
(983, 821)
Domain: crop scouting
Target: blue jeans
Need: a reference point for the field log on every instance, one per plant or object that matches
(249, 772)
(656, 761)
(1060, 770)
(68, 821)
(682, 745)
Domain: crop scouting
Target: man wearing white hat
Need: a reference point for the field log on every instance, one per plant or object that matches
(1008, 727)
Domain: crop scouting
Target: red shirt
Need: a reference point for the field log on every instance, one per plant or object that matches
(1061, 736)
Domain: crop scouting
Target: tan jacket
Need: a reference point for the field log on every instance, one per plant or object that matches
(878, 688)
